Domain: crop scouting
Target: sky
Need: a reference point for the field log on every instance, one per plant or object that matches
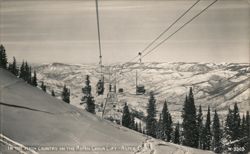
(46, 31)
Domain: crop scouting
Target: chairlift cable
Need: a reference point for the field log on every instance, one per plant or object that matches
(99, 34)
(100, 84)
(169, 27)
(166, 30)
(185, 24)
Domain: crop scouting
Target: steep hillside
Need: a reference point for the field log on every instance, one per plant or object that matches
(34, 119)
(217, 85)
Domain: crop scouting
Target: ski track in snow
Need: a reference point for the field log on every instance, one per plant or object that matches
(16, 106)
(15, 145)
(23, 107)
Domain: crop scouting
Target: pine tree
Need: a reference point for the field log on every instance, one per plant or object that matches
(3, 57)
(177, 134)
(190, 131)
(87, 89)
(29, 75)
(200, 127)
(26, 71)
(136, 127)
(166, 123)
(232, 127)
(90, 104)
(10, 68)
(126, 117)
(66, 94)
(13, 67)
(160, 129)
(170, 128)
(43, 87)
(207, 132)
(53, 93)
(228, 129)
(88, 98)
(34, 80)
(217, 134)
(243, 134)
(243, 126)
(139, 127)
(151, 114)
(22, 71)
(132, 122)
(247, 130)
(236, 123)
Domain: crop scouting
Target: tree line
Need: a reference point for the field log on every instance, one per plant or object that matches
(26, 73)
(196, 130)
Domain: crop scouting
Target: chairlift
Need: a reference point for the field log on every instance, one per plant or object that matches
(120, 90)
(140, 88)
(100, 87)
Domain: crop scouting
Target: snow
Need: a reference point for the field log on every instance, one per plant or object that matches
(33, 119)
(15, 145)
(217, 85)
(154, 146)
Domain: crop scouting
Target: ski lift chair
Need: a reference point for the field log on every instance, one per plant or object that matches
(100, 87)
(140, 90)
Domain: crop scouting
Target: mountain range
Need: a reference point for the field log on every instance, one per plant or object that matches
(216, 85)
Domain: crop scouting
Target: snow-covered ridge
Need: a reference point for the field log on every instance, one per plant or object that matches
(216, 85)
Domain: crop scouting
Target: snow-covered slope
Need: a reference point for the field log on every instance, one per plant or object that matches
(216, 85)
(32, 118)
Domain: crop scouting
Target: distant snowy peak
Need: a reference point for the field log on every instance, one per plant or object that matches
(186, 67)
